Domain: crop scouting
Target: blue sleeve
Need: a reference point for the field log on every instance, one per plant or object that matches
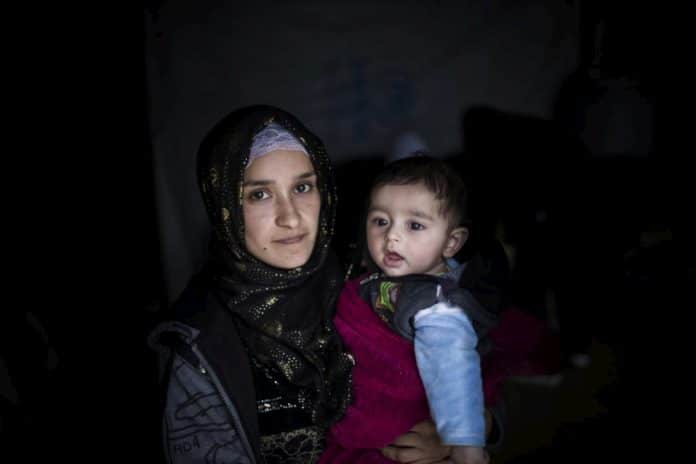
(449, 365)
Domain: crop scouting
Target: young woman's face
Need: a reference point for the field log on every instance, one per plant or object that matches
(281, 208)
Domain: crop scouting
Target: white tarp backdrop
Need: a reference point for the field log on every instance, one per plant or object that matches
(356, 73)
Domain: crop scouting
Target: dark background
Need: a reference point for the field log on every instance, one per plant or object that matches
(554, 112)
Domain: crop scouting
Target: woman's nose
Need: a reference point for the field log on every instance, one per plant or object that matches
(287, 214)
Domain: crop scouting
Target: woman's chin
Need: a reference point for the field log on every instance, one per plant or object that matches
(290, 261)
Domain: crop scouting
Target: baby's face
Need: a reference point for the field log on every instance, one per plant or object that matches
(406, 231)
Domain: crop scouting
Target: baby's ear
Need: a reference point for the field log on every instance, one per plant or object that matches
(456, 239)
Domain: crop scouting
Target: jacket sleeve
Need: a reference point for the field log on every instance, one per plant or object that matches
(196, 424)
(445, 347)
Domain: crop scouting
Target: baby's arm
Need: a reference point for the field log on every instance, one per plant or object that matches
(449, 365)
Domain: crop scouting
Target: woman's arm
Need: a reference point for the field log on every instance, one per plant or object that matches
(195, 421)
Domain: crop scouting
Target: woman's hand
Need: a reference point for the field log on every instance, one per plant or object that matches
(420, 445)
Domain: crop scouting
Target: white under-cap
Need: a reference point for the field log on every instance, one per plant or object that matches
(273, 137)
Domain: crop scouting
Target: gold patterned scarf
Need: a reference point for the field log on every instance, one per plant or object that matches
(284, 316)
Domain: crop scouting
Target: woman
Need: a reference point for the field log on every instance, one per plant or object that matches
(253, 368)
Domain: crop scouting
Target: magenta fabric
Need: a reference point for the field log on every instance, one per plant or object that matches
(388, 395)
(522, 346)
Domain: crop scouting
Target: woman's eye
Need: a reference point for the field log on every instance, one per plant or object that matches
(417, 226)
(257, 195)
(304, 188)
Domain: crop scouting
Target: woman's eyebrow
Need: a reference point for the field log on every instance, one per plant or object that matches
(262, 182)
(306, 175)
(256, 183)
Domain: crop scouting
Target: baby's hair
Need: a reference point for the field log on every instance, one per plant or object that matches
(437, 176)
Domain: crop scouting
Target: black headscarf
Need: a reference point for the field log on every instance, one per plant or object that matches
(284, 316)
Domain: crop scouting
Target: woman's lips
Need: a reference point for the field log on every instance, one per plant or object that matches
(291, 240)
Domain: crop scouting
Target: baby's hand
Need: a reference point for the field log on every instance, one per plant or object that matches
(469, 455)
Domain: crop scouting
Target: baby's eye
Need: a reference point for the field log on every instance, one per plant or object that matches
(417, 226)
(304, 187)
(258, 195)
(380, 222)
